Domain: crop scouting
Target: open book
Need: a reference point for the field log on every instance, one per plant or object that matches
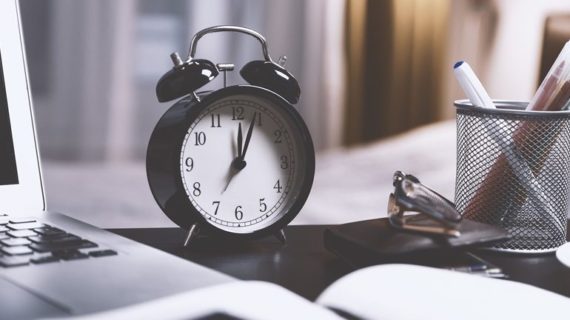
(393, 291)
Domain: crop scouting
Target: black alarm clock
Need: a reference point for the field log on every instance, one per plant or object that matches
(236, 162)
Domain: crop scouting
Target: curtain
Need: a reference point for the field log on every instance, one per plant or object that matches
(396, 65)
(95, 65)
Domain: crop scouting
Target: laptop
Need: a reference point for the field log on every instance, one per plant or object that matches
(52, 265)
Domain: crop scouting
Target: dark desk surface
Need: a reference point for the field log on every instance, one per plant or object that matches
(305, 267)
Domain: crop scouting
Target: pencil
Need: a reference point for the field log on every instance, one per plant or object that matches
(547, 89)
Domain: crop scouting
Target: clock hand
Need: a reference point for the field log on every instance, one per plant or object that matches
(238, 163)
(232, 171)
(233, 145)
(248, 138)
(239, 141)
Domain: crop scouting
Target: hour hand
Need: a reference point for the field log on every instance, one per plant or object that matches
(232, 171)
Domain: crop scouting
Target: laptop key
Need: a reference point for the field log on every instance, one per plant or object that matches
(3, 236)
(22, 220)
(3, 229)
(42, 239)
(15, 242)
(75, 256)
(14, 261)
(16, 251)
(66, 238)
(54, 239)
(44, 259)
(63, 245)
(70, 254)
(102, 253)
(21, 233)
(49, 231)
(23, 226)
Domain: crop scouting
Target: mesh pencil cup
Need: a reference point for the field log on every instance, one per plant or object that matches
(513, 171)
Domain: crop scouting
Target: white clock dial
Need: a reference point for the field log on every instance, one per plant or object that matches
(241, 194)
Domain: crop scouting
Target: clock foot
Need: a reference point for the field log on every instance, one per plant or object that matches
(191, 234)
(280, 235)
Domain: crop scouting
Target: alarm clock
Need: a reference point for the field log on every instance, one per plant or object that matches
(237, 162)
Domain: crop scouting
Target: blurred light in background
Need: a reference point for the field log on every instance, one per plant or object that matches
(94, 63)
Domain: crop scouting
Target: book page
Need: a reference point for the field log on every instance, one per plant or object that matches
(240, 299)
(399, 291)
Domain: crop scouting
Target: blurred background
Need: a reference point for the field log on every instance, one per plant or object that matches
(376, 81)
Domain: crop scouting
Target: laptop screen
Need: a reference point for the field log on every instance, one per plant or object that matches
(21, 190)
(8, 170)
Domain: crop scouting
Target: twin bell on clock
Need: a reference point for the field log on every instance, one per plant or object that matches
(237, 162)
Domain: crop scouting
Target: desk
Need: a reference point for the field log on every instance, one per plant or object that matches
(305, 267)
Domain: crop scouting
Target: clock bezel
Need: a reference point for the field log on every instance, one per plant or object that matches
(165, 147)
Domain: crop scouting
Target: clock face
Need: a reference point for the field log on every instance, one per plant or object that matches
(242, 163)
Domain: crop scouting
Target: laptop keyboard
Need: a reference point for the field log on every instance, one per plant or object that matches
(25, 241)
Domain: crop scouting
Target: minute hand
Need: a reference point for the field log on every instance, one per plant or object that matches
(248, 137)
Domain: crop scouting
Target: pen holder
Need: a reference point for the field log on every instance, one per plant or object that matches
(513, 171)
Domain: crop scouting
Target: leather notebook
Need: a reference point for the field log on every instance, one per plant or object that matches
(375, 241)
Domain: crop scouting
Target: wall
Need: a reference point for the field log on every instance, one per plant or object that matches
(502, 40)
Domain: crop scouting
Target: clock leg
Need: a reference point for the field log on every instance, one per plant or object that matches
(191, 234)
(280, 235)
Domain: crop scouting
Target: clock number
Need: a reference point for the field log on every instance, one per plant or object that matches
(200, 138)
(217, 204)
(196, 192)
(262, 205)
(278, 186)
(278, 134)
(216, 120)
(237, 113)
(284, 162)
(189, 162)
(239, 213)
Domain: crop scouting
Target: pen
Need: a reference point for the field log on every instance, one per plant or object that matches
(471, 85)
(470, 268)
(481, 270)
